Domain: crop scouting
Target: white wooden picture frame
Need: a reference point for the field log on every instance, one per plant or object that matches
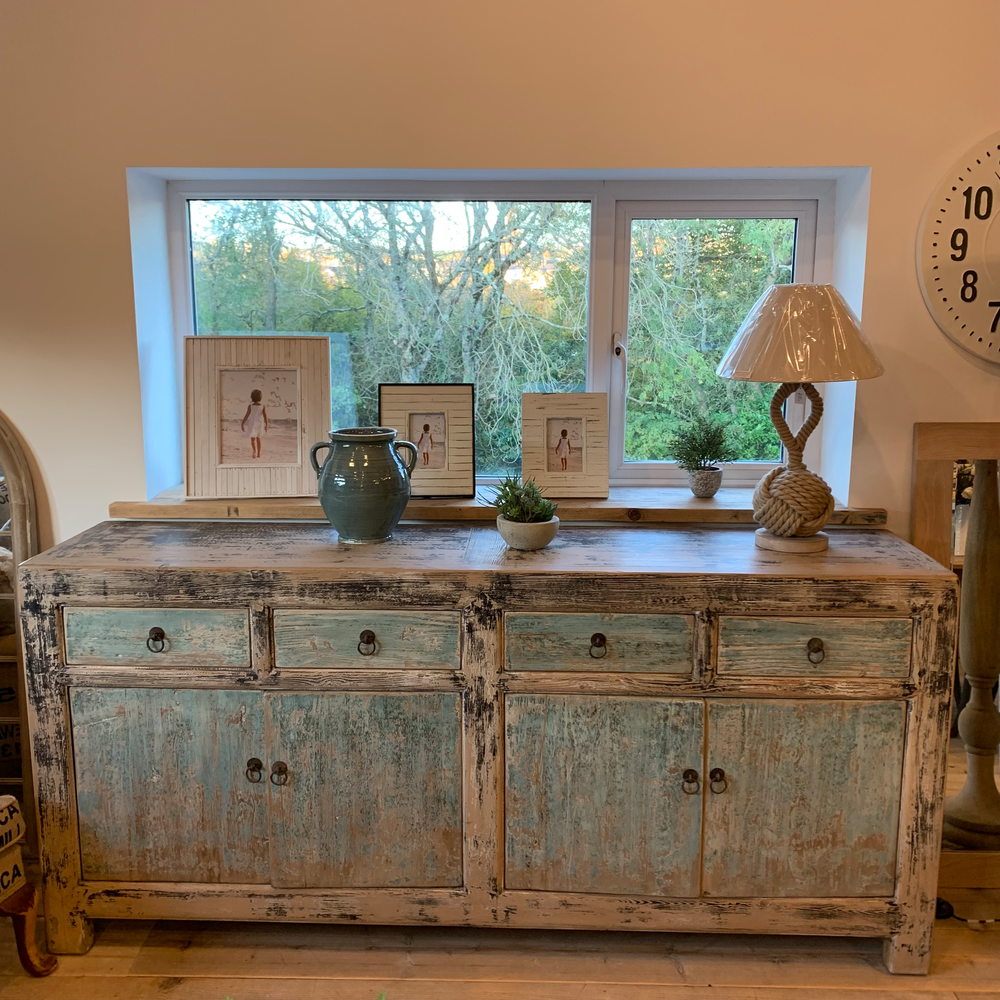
(438, 419)
(564, 442)
(234, 386)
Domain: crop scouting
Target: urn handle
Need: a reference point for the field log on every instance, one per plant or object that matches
(312, 455)
(408, 465)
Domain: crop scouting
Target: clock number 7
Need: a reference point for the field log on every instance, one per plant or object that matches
(996, 316)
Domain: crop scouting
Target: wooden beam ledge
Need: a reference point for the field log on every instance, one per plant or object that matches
(625, 505)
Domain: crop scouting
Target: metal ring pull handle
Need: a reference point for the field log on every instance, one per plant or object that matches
(279, 773)
(690, 783)
(255, 770)
(156, 641)
(366, 639)
(717, 777)
(598, 645)
(815, 650)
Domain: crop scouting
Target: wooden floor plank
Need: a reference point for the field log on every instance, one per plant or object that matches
(183, 961)
(143, 988)
(962, 958)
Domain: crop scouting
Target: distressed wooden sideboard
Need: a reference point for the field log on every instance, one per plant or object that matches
(639, 729)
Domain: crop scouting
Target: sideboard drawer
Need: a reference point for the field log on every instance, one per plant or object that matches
(815, 647)
(175, 637)
(619, 643)
(367, 639)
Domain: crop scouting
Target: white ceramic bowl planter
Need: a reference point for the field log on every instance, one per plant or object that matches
(527, 535)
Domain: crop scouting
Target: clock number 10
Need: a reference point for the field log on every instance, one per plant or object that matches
(979, 204)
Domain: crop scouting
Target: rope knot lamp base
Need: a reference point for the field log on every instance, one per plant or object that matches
(790, 502)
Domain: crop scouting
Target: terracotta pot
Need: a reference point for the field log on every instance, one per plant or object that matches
(527, 535)
(705, 482)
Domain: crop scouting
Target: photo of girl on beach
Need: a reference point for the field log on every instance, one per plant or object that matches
(259, 419)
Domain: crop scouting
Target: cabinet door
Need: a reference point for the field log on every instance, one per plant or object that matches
(595, 795)
(810, 799)
(373, 791)
(162, 786)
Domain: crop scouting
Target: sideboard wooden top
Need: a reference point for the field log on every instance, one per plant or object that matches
(268, 546)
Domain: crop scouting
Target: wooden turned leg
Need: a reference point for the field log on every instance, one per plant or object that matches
(22, 909)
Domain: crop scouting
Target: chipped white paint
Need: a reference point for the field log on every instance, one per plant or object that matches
(500, 796)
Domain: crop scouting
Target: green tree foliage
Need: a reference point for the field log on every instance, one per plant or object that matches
(493, 293)
(691, 283)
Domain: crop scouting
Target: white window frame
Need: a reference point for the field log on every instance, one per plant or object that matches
(803, 211)
(613, 204)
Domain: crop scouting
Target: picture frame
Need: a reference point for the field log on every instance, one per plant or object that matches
(438, 418)
(564, 442)
(278, 386)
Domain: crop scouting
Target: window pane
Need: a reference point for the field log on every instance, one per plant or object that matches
(489, 292)
(691, 283)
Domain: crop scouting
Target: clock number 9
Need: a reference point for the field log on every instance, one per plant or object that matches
(979, 204)
(968, 292)
(959, 243)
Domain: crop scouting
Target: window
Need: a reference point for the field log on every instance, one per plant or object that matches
(514, 287)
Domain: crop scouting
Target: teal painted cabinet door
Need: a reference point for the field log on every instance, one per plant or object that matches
(369, 791)
(163, 788)
(809, 801)
(596, 799)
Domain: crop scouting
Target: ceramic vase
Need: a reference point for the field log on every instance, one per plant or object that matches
(364, 484)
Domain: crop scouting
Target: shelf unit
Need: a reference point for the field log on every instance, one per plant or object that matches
(18, 536)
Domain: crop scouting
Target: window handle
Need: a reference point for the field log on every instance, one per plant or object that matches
(619, 345)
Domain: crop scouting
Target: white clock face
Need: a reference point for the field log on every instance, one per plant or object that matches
(958, 252)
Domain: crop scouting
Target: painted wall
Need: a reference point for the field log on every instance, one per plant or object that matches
(91, 89)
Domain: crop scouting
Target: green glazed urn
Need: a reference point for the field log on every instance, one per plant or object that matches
(364, 484)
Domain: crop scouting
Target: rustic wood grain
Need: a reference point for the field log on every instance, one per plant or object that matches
(816, 783)
(161, 785)
(625, 504)
(530, 777)
(654, 643)
(862, 647)
(401, 640)
(193, 636)
(596, 800)
(373, 795)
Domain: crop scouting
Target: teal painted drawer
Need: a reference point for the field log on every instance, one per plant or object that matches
(815, 647)
(405, 640)
(608, 643)
(192, 637)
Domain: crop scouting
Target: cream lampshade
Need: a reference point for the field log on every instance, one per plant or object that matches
(797, 335)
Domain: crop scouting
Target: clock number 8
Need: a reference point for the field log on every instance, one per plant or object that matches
(968, 292)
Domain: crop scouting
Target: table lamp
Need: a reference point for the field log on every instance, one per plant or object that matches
(797, 335)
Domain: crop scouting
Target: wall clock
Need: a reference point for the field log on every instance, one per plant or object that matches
(958, 251)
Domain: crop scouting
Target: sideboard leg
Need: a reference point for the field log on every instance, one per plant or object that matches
(68, 933)
(22, 908)
(908, 953)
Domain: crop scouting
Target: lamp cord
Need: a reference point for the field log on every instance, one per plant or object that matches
(945, 911)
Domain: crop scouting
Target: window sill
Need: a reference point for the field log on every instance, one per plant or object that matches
(625, 505)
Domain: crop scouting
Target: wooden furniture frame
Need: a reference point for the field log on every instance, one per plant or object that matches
(23, 538)
(662, 730)
(936, 448)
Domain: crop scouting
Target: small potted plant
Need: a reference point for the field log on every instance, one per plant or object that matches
(525, 519)
(698, 448)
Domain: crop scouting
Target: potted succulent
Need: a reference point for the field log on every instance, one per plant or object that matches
(526, 520)
(698, 448)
